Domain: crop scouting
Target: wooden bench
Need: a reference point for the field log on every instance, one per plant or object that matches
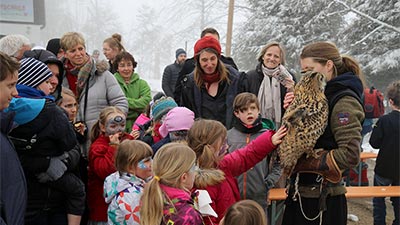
(277, 194)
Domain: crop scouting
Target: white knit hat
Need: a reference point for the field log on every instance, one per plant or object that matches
(33, 72)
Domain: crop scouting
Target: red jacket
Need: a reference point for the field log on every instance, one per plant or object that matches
(226, 193)
(101, 164)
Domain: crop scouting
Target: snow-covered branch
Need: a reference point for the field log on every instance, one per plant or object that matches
(367, 36)
(396, 29)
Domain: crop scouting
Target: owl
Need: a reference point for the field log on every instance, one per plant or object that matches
(306, 119)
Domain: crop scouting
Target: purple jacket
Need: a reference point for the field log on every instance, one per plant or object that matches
(180, 210)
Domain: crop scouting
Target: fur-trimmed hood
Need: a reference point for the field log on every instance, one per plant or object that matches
(101, 65)
(208, 177)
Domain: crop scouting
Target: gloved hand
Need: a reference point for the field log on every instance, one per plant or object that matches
(324, 165)
(57, 166)
(73, 157)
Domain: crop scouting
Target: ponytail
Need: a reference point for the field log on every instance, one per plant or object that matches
(151, 209)
(95, 132)
(351, 65)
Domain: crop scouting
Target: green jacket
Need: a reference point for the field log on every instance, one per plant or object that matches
(138, 95)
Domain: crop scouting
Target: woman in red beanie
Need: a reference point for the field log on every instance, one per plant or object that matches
(210, 89)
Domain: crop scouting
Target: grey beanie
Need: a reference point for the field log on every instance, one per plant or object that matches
(33, 72)
(179, 51)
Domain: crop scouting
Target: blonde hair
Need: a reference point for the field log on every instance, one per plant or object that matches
(95, 132)
(170, 162)
(198, 72)
(203, 136)
(115, 42)
(267, 46)
(70, 40)
(246, 212)
(66, 91)
(129, 154)
(323, 51)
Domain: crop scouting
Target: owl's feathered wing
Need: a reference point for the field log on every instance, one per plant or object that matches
(306, 119)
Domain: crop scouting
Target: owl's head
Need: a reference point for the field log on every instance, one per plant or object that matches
(312, 81)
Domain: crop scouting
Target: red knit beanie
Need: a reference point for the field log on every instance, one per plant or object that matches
(207, 42)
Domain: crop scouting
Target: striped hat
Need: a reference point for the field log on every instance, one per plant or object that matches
(33, 72)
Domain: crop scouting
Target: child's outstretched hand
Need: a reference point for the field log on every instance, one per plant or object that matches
(277, 137)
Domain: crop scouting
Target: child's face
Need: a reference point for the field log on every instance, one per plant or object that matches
(143, 168)
(45, 87)
(248, 115)
(69, 104)
(115, 123)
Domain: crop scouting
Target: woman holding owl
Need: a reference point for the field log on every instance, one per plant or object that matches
(316, 192)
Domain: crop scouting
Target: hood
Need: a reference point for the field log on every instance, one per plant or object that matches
(47, 57)
(26, 109)
(30, 92)
(208, 177)
(175, 193)
(119, 182)
(344, 81)
(101, 65)
(121, 80)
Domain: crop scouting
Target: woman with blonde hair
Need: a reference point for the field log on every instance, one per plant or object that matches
(218, 170)
(112, 46)
(166, 198)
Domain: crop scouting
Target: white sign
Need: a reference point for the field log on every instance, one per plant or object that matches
(17, 11)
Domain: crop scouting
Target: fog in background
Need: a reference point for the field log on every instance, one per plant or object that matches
(368, 30)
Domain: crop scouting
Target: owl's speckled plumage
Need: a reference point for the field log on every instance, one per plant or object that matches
(306, 119)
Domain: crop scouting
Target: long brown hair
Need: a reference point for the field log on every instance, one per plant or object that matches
(198, 71)
(203, 137)
(323, 51)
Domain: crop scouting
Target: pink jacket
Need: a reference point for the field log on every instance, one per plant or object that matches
(226, 193)
(142, 119)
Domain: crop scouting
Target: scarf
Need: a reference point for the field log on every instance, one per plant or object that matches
(83, 76)
(254, 128)
(269, 96)
(210, 78)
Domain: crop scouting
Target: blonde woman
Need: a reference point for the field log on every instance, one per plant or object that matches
(166, 198)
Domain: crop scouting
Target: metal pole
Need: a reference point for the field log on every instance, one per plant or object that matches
(229, 30)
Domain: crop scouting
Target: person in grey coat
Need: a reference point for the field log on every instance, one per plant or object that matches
(171, 73)
(92, 83)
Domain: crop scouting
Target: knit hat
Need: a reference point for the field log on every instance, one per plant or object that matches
(32, 72)
(53, 45)
(179, 51)
(207, 42)
(162, 106)
(178, 118)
